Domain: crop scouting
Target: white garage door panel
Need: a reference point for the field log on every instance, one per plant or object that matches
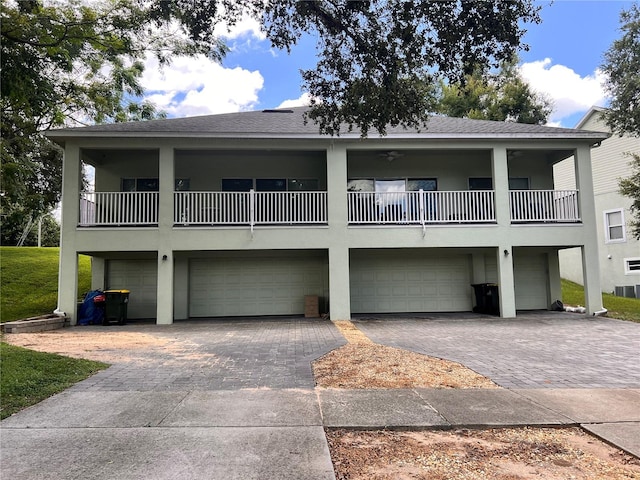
(253, 286)
(530, 278)
(140, 277)
(531, 282)
(409, 282)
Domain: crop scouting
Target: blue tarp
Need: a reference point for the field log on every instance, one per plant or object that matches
(89, 312)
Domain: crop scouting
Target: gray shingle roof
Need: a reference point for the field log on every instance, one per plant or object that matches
(289, 123)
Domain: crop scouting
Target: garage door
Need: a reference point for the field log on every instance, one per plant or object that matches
(531, 282)
(141, 278)
(530, 278)
(253, 286)
(409, 281)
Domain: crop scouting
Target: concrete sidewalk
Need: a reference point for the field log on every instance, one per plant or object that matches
(272, 433)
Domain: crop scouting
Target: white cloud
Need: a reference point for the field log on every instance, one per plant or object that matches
(570, 92)
(302, 101)
(246, 26)
(197, 86)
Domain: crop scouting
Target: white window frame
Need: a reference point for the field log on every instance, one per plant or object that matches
(607, 227)
(627, 270)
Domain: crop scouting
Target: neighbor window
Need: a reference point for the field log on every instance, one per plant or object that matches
(632, 266)
(614, 226)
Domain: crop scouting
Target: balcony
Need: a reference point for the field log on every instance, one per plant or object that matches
(118, 209)
(252, 208)
(422, 207)
(544, 206)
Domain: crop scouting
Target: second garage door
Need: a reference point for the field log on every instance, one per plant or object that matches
(254, 286)
(409, 281)
(531, 280)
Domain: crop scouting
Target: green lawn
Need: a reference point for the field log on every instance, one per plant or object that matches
(618, 307)
(29, 281)
(28, 377)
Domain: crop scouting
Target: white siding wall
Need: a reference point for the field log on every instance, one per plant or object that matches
(609, 165)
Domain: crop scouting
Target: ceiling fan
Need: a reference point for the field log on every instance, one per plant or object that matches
(391, 155)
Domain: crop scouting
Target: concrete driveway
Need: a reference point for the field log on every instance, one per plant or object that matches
(241, 404)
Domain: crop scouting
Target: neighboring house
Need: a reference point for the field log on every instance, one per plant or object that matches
(619, 252)
(247, 213)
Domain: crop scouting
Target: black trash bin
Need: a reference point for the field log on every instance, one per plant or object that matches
(115, 306)
(487, 300)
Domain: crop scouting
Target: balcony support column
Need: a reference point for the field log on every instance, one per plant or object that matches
(68, 266)
(500, 170)
(164, 314)
(339, 284)
(98, 273)
(555, 287)
(586, 204)
(506, 282)
(339, 291)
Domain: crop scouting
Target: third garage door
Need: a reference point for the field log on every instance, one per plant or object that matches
(409, 281)
(240, 286)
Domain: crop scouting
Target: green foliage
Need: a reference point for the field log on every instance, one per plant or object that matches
(379, 61)
(618, 307)
(500, 96)
(28, 377)
(29, 281)
(73, 63)
(630, 187)
(13, 225)
(622, 68)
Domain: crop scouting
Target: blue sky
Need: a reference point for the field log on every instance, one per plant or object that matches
(565, 52)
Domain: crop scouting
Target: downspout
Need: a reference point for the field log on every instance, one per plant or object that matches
(599, 313)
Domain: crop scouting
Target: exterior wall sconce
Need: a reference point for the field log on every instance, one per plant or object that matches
(506, 252)
(164, 257)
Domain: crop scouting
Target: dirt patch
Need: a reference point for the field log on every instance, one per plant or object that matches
(112, 347)
(364, 364)
(500, 454)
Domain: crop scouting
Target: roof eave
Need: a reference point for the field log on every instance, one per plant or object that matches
(61, 136)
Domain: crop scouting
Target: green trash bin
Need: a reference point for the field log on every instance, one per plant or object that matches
(115, 306)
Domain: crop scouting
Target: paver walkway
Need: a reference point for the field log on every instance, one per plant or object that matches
(534, 350)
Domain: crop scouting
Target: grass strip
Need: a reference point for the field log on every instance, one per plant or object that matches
(618, 307)
(28, 377)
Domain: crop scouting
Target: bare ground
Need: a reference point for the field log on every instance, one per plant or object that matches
(500, 454)
(364, 364)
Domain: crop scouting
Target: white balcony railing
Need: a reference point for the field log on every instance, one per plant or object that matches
(537, 206)
(250, 208)
(421, 207)
(118, 208)
(292, 208)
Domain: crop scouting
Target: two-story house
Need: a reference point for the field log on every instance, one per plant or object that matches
(244, 214)
(619, 251)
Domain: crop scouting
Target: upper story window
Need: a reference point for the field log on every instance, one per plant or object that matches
(392, 185)
(486, 183)
(614, 231)
(270, 184)
(151, 185)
